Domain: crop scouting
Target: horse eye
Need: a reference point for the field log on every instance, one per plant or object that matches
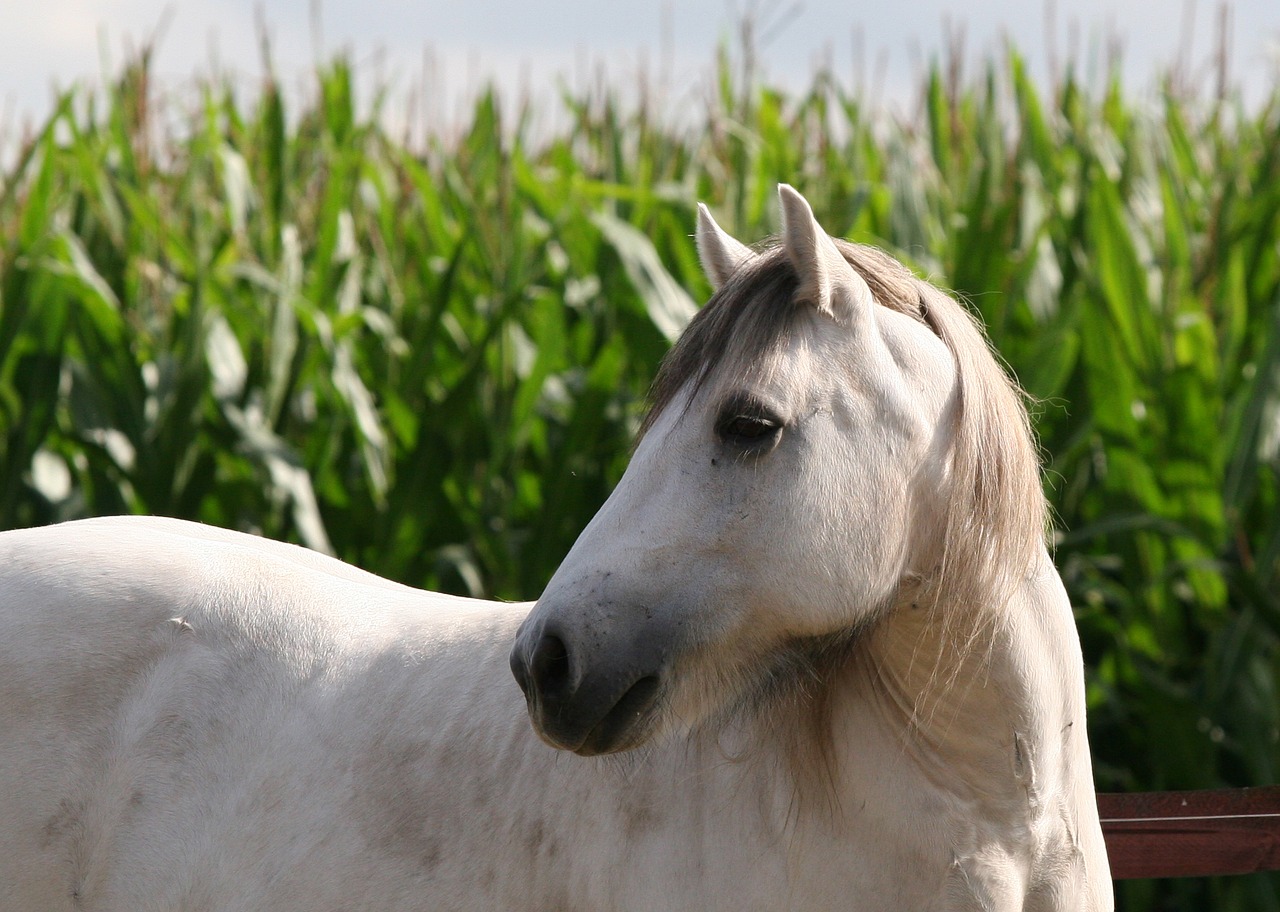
(747, 430)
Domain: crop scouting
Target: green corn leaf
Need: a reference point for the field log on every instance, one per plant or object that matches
(668, 305)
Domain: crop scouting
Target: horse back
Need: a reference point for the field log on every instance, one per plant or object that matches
(177, 698)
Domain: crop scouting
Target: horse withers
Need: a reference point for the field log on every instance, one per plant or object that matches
(812, 653)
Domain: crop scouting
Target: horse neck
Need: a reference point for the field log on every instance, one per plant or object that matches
(983, 701)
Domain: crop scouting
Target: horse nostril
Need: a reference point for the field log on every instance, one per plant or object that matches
(550, 666)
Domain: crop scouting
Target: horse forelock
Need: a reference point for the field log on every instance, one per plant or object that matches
(748, 315)
(752, 314)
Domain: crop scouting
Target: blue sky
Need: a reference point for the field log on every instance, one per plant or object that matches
(527, 45)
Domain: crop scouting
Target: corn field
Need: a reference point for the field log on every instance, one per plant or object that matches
(430, 358)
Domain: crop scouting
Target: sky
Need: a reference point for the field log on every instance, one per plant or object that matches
(445, 49)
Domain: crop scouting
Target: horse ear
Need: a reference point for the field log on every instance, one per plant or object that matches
(719, 254)
(827, 281)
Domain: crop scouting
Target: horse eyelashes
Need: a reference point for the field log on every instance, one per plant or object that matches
(748, 428)
(748, 423)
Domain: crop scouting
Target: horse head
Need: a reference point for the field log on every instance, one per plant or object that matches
(812, 452)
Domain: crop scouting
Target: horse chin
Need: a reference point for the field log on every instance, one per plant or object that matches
(628, 724)
(599, 742)
(596, 746)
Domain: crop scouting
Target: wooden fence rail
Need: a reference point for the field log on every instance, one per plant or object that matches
(1192, 834)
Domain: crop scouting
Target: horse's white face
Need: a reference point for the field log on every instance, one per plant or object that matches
(780, 501)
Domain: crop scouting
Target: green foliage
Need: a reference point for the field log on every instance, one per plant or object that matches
(431, 361)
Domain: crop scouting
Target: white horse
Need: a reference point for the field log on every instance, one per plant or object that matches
(818, 611)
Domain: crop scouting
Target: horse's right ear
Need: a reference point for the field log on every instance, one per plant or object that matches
(719, 254)
(827, 281)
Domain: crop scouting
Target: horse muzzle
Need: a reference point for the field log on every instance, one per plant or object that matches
(591, 690)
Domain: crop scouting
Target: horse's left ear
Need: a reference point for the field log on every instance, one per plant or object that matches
(719, 254)
(827, 281)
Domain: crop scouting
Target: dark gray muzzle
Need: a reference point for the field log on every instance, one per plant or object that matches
(591, 688)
